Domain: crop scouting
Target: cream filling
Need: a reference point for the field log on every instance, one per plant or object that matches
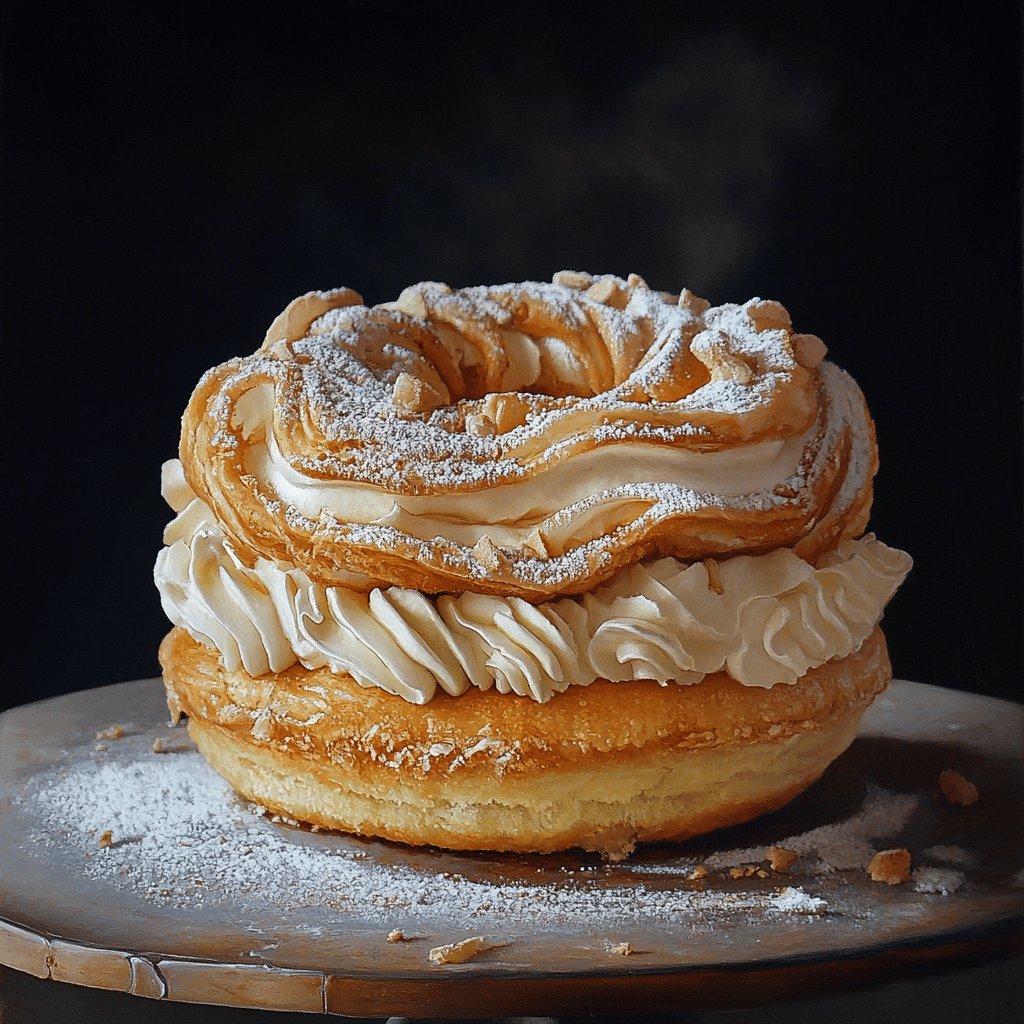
(763, 619)
(507, 513)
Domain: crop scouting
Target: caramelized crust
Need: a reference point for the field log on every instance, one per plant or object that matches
(459, 394)
(601, 766)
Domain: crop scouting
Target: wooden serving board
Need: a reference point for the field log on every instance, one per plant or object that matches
(193, 897)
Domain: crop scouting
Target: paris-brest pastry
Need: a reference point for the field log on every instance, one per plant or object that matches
(525, 567)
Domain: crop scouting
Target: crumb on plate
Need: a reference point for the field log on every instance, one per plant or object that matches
(890, 866)
(459, 952)
(956, 789)
(780, 859)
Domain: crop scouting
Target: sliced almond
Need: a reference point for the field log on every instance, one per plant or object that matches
(768, 315)
(609, 290)
(415, 395)
(694, 303)
(575, 279)
(480, 425)
(505, 411)
(459, 952)
(295, 320)
(808, 349)
(485, 552)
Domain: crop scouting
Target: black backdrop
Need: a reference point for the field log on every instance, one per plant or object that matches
(175, 174)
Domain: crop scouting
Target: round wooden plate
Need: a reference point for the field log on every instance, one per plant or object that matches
(126, 864)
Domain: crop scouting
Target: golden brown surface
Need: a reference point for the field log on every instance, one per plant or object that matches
(470, 427)
(890, 866)
(600, 767)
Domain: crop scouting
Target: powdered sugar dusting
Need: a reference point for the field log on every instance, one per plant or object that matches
(457, 392)
(940, 881)
(179, 837)
(838, 847)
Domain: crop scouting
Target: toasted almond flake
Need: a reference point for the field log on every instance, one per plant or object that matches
(890, 866)
(780, 859)
(459, 952)
(956, 789)
(485, 552)
(808, 349)
(576, 279)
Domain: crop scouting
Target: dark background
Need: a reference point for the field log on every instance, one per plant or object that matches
(174, 175)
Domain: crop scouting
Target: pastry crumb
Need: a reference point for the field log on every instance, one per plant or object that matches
(890, 866)
(101, 747)
(780, 859)
(397, 935)
(106, 839)
(617, 854)
(698, 872)
(161, 746)
(620, 948)
(459, 952)
(744, 871)
(112, 732)
(956, 789)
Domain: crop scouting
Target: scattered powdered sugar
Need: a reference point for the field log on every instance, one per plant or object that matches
(179, 836)
(940, 881)
(843, 846)
(795, 901)
(943, 854)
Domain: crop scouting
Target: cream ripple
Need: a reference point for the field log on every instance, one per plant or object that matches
(529, 440)
(611, 484)
(763, 619)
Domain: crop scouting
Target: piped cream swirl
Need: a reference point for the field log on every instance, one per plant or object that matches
(763, 619)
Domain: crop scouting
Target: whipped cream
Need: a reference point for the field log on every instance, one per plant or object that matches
(592, 493)
(763, 619)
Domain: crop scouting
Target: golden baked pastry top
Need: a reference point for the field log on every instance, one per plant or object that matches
(528, 440)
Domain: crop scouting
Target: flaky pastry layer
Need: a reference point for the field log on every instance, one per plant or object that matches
(529, 439)
(616, 764)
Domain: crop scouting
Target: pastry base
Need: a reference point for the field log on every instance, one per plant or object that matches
(600, 767)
